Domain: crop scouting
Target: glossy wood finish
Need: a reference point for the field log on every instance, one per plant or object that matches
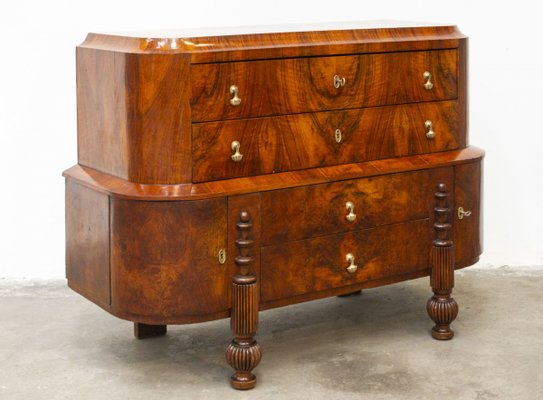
(304, 212)
(299, 85)
(121, 188)
(164, 260)
(163, 227)
(441, 307)
(133, 115)
(300, 141)
(87, 243)
(279, 44)
(318, 264)
(468, 231)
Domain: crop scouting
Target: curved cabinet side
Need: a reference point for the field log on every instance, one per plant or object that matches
(164, 260)
(468, 226)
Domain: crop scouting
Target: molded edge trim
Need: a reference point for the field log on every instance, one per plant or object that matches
(240, 47)
(121, 188)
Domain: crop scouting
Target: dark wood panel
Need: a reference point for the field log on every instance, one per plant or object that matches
(87, 243)
(286, 143)
(129, 190)
(165, 259)
(319, 264)
(468, 231)
(307, 84)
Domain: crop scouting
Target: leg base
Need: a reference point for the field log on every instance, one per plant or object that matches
(442, 334)
(243, 382)
(355, 293)
(144, 331)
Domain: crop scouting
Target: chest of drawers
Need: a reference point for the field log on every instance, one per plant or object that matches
(221, 175)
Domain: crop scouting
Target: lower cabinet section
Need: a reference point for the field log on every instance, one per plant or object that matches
(322, 263)
(163, 262)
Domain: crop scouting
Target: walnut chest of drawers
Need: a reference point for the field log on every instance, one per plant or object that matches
(220, 175)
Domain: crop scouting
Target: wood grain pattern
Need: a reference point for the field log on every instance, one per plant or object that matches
(287, 143)
(308, 211)
(164, 260)
(254, 46)
(155, 195)
(468, 191)
(299, 85)
(134, 115)
(128, 190)
(87, 243)
(318, 264)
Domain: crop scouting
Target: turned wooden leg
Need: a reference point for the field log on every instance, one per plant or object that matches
(144, 331)
(441, 307)
(244, 353)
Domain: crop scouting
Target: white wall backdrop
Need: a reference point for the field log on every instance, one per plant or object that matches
(38, 109)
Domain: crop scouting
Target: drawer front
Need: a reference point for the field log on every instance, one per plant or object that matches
(291, 142)
(319, 264)
(296, 85)
(304, 212)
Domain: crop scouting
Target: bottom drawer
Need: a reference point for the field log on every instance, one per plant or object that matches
(319, 264)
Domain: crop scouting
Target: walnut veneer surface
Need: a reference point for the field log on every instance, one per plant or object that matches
(220, 175)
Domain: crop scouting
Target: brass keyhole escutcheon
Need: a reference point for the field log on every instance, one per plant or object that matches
(235, 100)
(351, 216)
(428, 85)
(430, 134)
(338, 135)
(352, 266)
(237, 156)
(222, 256)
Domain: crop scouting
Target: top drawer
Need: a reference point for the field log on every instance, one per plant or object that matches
(296, 85)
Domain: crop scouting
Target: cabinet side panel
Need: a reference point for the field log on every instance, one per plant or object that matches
(164, 263)
(101, 111)
(159, 115)
(87, 243)
(468, 238)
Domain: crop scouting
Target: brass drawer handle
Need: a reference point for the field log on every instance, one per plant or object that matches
(338, 81)
(463, 213)
(235, 101)
(237, 156)
(350, 207)
(352, 266)
(428, 85)
(338, 135)
(430, 126)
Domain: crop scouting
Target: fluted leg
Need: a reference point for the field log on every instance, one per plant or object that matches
(244, 353)
(441, 307)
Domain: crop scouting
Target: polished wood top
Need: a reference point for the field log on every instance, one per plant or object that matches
(230, 44)
(189, 191)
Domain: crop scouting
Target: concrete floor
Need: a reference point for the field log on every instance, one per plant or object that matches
(56, 345)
